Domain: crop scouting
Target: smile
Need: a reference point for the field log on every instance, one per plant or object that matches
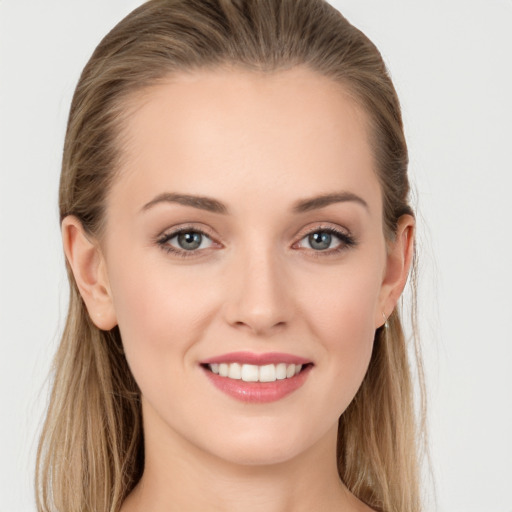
(254, 373)
(257, 378)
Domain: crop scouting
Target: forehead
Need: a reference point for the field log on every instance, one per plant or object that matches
(211, 132)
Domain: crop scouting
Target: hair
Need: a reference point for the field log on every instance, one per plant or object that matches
(91, 452)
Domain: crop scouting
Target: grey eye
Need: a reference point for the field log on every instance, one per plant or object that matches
(324, 239)
(190, 241)
(320, 240)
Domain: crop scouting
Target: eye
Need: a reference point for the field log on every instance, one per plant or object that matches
(185, 241)
(326, 239)
(320, 241)
(190, 240)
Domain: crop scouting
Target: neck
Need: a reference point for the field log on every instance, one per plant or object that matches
(181, 476)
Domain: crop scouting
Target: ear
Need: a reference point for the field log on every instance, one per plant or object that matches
(89, 269)
(399, 259)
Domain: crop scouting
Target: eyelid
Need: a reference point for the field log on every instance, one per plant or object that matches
(323, 226)
(168, 234)
(345, 237)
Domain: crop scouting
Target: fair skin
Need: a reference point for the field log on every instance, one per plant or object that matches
(268, 271)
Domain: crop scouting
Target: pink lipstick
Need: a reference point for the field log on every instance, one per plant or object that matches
(257, 378)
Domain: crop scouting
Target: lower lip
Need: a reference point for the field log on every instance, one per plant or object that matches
(258, 392)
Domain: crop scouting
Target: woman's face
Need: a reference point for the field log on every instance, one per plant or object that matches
(244, 235)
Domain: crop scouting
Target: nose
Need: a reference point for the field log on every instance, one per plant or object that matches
(259, 293)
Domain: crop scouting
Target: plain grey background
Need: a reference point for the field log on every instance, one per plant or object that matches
(451, 64)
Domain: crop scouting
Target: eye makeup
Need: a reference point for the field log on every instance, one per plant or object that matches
(320, 241)
(191, 241)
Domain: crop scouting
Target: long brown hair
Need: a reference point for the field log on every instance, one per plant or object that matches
(90, 454)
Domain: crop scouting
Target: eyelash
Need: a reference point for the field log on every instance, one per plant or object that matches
(347, 241)
(163, 240)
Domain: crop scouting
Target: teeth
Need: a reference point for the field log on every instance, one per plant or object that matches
(254, 373)
(235, 371)
(268, 373)
(250, 373)
(223, 369)
(281, 371)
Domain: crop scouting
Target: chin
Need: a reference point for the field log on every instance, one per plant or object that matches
(259, 446)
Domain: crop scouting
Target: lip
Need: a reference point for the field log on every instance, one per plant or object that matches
(257, 392)
(257, 359)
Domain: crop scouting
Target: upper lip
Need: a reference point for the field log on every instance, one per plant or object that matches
(256, 359)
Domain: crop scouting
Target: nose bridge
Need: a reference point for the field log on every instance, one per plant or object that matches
(258, 295)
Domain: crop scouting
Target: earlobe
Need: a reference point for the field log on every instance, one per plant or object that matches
(89, 270)
(399, 259)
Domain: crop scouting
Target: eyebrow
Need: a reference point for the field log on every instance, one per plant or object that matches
(212, 205)
(314, 203)
(201, 202)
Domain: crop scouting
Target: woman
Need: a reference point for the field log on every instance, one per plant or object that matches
(235, 218)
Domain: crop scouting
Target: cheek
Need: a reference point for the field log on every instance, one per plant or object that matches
(161, 317)
(344, 306)
(342, 318)
(160, 313)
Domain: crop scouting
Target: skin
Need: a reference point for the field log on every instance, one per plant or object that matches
(257, 143)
